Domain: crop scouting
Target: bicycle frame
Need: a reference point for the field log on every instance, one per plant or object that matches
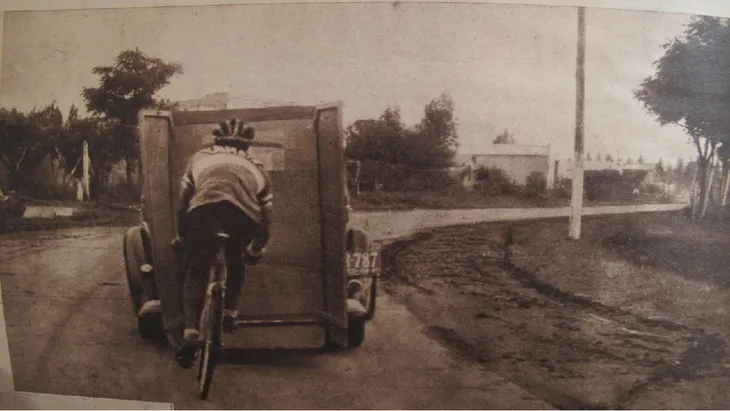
(215, 281)
(210, 317)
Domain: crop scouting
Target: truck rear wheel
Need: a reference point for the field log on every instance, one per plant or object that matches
(133, 258)
(355, 332)
(150, 327)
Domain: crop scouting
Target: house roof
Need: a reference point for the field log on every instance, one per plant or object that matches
(504, 150)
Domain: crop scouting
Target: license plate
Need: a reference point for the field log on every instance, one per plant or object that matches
(363, 263)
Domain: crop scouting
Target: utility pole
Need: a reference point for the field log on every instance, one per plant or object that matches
(86, 164)
(576, 201)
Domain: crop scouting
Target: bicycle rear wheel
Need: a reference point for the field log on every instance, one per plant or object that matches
(211, 348)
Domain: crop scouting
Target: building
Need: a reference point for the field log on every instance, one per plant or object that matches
(214, 101)
(564, 168)
(222, 101)
(643, 173)
(516, 161)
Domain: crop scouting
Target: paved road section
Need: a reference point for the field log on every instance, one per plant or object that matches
(390, 225)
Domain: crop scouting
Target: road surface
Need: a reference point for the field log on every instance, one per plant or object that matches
(71, 332)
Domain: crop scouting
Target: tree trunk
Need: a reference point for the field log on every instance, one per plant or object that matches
(693, 195)
(130, 179)
(707, 186)
(725, 187)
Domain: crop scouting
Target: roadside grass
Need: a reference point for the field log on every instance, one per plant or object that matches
(461, 199)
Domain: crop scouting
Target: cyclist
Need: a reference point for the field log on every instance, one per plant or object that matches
(223, 189)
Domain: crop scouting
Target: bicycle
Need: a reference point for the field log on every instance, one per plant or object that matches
(211, 317)
(210, 324)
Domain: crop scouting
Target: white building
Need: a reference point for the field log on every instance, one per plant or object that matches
(517, 161)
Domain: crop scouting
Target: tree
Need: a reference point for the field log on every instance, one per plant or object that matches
(438, 125)
(660, 170)
(433, 142)
(125, 88)
(629, 160)
(104, 148)
(679, 170)
(599, 158)
(391, 152)
(690, 89)
(608, 157)
(640, 160)
(25, 140)
(504, 138)
(589, 157)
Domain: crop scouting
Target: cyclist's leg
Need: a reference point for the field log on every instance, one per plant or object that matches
(196, 283)
(234, 283)
(239, 226)
(199, 247)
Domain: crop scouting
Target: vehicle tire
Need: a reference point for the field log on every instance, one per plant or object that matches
(355, 332)
(150, 327)
(132, 262)
(373, 298)
(212, 344)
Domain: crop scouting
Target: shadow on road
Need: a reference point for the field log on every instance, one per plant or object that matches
(277, 357)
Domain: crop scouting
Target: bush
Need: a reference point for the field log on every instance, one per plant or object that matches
(397, 177)
(536, 184)
(494, 181)
(563, 188)
(422, 180)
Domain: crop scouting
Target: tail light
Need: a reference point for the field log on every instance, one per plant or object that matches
(353, 287)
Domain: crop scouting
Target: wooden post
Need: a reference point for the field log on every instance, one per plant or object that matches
(576, 202)
(86, 165)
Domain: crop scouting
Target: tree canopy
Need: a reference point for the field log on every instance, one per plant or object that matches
(125, 88)
(691, 89)
(504, 138)
(129, 86)
(25, 140)
(387, 146)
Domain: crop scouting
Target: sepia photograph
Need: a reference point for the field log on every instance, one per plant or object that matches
(365, 205)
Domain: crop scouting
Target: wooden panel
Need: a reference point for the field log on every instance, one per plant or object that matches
(158, 208)
(333, 215)
(253, 114)
(295, 230)
(274, 288)
(306, 170)
(273, 337)
(289, 282)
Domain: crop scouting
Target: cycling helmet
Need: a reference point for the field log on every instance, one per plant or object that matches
(234, 132)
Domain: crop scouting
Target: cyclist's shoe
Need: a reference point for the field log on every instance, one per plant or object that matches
(229, 324)
(185, 355)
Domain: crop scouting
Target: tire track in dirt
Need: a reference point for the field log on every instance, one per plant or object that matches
(568, 334)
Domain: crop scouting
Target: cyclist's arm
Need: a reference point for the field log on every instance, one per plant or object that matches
(265, 198)
(187, 189)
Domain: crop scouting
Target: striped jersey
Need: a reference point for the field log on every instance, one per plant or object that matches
(220, 173)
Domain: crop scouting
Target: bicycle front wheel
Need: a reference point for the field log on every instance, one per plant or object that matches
(212, 344)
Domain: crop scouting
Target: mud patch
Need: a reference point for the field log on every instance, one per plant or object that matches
(565, 345)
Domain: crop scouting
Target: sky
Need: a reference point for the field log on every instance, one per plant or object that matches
(506, 66)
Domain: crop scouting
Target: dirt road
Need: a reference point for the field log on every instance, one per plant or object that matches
(71, 332)
(631, 317)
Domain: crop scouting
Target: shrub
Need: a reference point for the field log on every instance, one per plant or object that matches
(536, 184)
(494, 181)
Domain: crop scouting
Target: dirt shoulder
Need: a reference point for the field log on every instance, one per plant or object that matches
(631, 316)
(89, 217)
